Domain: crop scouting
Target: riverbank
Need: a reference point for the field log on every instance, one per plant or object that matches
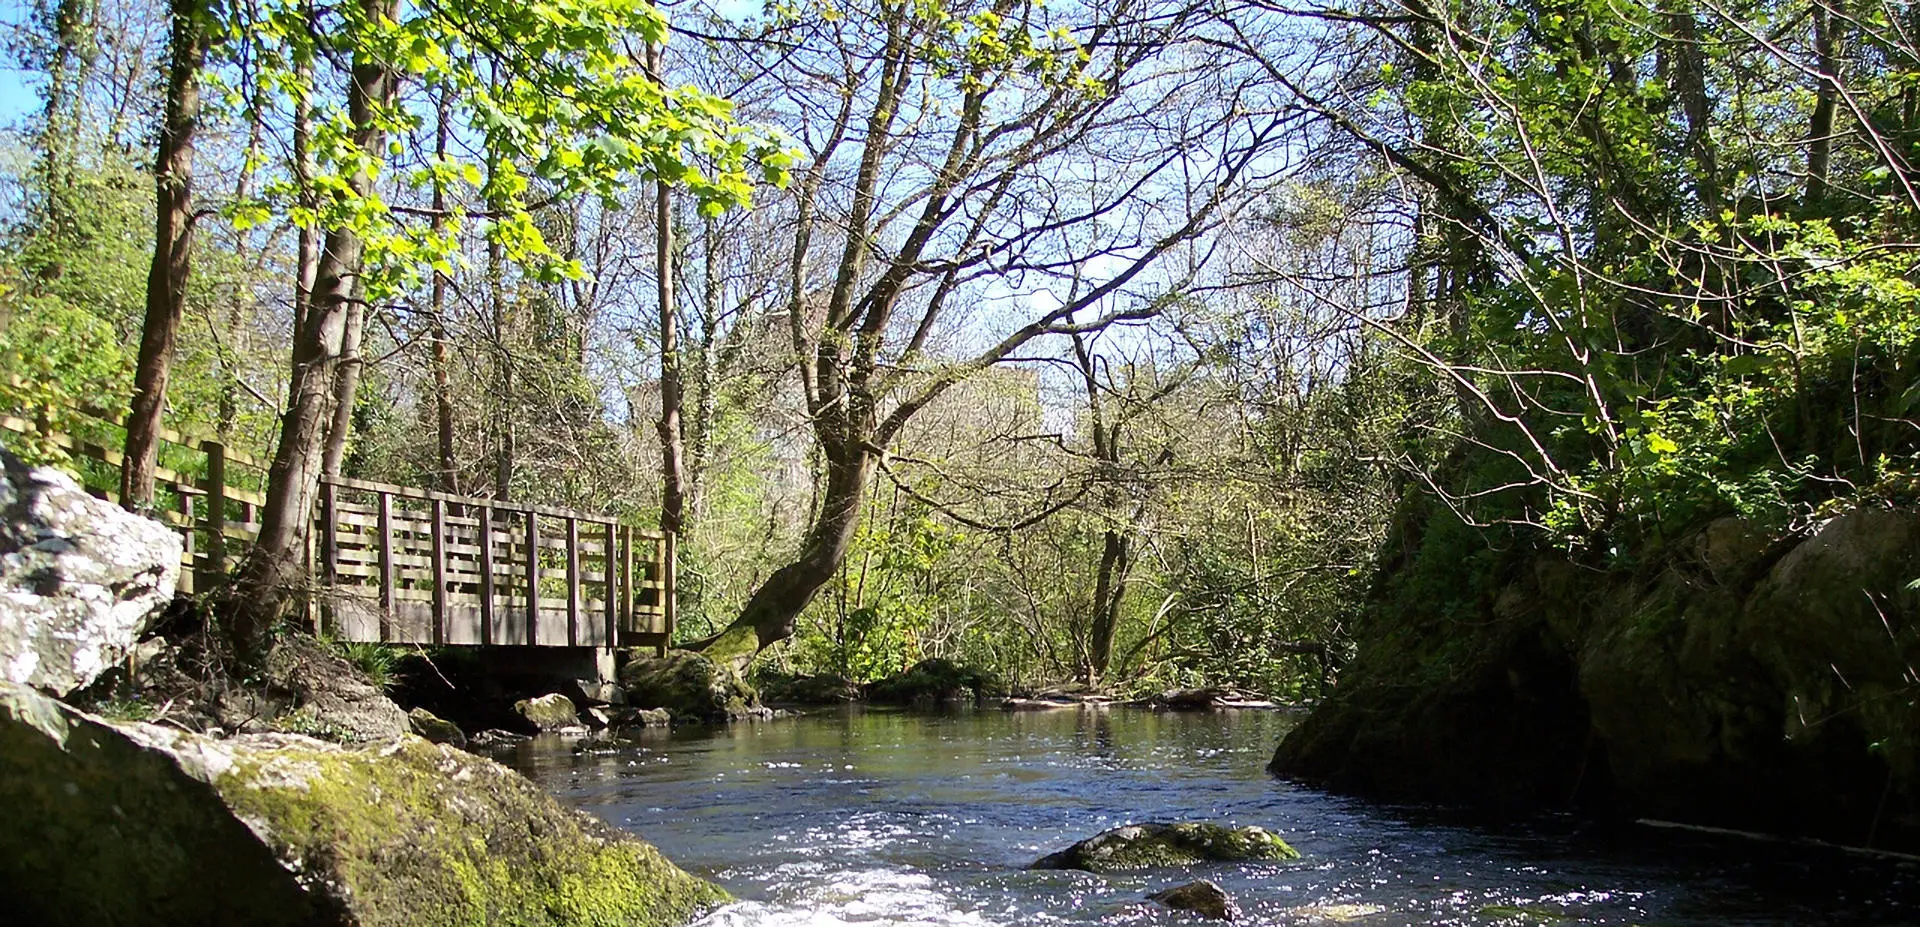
(1733, 677)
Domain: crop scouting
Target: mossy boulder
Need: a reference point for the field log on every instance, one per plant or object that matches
(1734, 676)
(1156, 845)
(549, 713)
(140, 824)
(690, 685)
(435, 728)
(932, 682)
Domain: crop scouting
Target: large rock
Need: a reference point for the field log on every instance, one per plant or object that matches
(549, 713)
(688, 684)
(79, 578)
(435, 728)
(1154, 845)
(303, 687)
(1736, 678)
(329, 695)
(1201, 897)
(140, 824)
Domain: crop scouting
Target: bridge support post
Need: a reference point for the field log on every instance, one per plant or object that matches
(603, 665)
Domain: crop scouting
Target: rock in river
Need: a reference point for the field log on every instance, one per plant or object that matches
(549, 713)
(1201, 897)
(690, 685)
(79, 578)
(435, 728)
(139, 824)
(1145, 846)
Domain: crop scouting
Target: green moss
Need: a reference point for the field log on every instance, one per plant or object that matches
(384, 830)
(100, 829)
(736, 646)
(692, 686)
(1524, 914)
(303, 720)
(1152, 846)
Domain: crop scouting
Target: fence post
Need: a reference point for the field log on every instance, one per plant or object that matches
(533, 579)
(668, 550)
(485, 514)
(386, 566)
(626, 577)
(187, 578)
(573, 581)
(440, 617)
(610, 567)
(216, 487)
(329, 534)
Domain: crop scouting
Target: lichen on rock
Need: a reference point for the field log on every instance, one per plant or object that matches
(549, 713)
(79, 578)
(1154, 845)
(135, 823)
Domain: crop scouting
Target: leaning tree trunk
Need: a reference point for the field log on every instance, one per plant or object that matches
(272, 569)
(771, 613)
(172, 252)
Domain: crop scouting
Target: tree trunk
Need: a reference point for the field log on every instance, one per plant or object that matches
(503, 452)
(448, 465)
(1109, 591)
(1820, 124)
(770, 614)
(1689, 80)
(172, 252)
(272, 568)
(307, 252)
(67, 70)
(673, 498)
(346, 385)
(706, 400)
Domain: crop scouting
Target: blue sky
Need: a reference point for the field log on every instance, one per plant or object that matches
(16, 94)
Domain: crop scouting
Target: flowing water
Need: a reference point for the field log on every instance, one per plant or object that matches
(905, 819)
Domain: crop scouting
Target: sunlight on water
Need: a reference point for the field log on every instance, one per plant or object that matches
(875, 896)
(878, 818)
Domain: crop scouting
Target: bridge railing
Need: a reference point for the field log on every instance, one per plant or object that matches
(211, 495)
(398, 564)
(448, 569)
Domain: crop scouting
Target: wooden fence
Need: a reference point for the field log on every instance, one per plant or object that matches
(398, 564)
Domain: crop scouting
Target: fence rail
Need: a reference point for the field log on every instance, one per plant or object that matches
(401, 564)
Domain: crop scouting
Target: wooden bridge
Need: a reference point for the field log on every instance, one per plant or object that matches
(395, 564)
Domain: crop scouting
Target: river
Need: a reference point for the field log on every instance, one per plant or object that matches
(871, 818)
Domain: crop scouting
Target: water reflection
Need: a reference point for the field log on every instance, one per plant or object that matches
(871, 817)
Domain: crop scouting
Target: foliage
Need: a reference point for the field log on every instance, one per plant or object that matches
(547, 89)
(380, 663)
